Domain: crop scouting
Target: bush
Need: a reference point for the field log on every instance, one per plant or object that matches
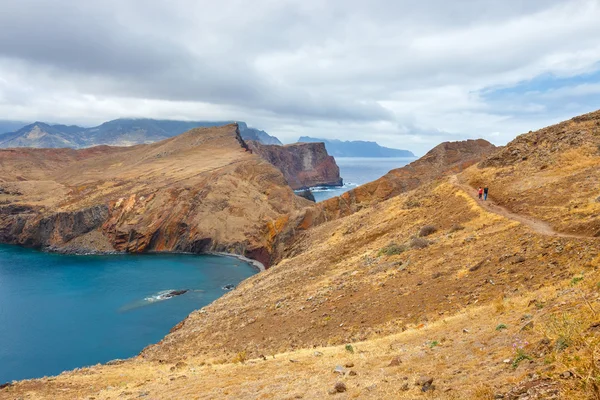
(456, 228)
(412, 203)
(392, 249)
(349, 348)
(240, 357)
(419, 243)
(501, 327)
(427, 230)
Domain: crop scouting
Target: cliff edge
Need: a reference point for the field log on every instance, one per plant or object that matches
(303, 165)
(200, 191)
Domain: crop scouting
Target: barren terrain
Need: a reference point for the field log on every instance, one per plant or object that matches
(424, 292)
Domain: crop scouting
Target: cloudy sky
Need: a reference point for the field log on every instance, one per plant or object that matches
(404, 73)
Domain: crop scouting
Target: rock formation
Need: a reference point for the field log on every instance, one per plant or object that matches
(200, 191)
(303, 165)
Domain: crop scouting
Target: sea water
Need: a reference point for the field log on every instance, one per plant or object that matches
(359, 170)
(59, 312)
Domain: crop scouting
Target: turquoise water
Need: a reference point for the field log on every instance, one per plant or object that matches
(59, 312)
(359, 170)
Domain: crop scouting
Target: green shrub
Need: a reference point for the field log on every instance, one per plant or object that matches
(349, 348)
(501, 327)
(391, 249)
(521, 355)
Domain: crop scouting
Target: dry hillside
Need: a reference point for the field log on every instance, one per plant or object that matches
(198, 191)
(426, 293)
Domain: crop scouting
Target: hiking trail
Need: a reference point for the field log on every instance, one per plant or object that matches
(537, 225)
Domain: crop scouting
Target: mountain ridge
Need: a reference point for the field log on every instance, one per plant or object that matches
(118, 132)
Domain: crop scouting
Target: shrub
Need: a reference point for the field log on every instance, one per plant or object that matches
(412, 203)
(419, 243)
(576, 280)
(240, 357)
(349, 348)
(427, 230)
(501, 327)
(521, 355)
(456, 228)
(392, 249)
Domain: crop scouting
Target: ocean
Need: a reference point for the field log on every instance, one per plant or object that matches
(359, 170)
(59, 312)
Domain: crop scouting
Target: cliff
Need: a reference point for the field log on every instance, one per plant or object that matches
(200, 191)
(356, 148)
(303, 165)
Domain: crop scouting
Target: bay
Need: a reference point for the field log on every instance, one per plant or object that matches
(59, 312)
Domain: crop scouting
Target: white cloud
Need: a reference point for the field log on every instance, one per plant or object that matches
(400, 72)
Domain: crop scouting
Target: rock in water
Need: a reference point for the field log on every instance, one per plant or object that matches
(228, 287)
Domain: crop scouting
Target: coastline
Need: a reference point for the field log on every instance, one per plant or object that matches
(256, 264)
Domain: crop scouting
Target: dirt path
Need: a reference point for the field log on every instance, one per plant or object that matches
(537, 225)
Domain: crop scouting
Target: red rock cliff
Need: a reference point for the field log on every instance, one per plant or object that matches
(303, 165)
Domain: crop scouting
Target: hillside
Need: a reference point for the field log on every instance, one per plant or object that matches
(356, 148)
(199, 191)
(119, 132)
(418, 290)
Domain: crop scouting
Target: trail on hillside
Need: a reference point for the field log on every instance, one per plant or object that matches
(537, 225)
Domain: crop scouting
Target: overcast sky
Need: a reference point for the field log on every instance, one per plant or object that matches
(404, 73)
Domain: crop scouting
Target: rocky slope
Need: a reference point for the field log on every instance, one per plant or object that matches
(119, 132)
(446, 158)
(303, 165)
(551, 174)
(424, 293)
(200, 191)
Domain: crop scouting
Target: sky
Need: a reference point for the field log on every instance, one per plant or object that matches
(403, 73)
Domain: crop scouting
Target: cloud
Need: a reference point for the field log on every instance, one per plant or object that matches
(408, 74)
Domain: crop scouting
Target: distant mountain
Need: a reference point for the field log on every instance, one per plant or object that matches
(119, 132)
(357, 148)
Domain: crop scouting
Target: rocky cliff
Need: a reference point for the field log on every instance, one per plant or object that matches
(304, 165)
(200, 191)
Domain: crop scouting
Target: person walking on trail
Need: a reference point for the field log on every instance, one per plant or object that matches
(479, 192)
(485, 193)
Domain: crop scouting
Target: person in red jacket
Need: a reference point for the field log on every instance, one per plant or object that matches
(480, 192)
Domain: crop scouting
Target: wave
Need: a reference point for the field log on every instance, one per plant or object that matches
(318, 189)
(160, 296)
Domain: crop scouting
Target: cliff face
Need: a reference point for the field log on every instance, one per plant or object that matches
(200, 191)
(303, 165)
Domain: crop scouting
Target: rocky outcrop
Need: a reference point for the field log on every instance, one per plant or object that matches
(304, 165)
(200, 191)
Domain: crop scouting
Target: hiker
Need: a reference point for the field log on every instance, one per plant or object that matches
(479, 192)
(485, 193)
